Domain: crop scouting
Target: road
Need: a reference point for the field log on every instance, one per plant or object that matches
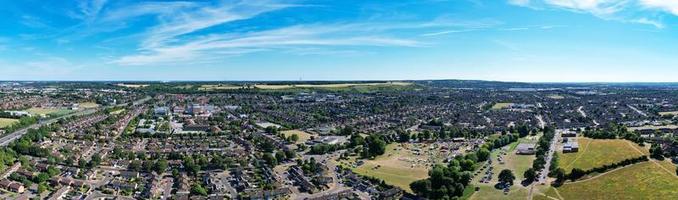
(5, 140)
(543, 176)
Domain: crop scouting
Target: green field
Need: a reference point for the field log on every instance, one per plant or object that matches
(499, 106)
(392, 169)
(668, 113)
(5, 122)
(594, 153)
(49, 111)
(220, 87)
(647, 180)
(489, 192)
(303, 136)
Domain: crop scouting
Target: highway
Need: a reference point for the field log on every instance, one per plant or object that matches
(5, 140)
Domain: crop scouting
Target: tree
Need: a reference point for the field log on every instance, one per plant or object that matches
(135, 165)
(294, 137)
(656, 152)
(161, 166)
(197, 189)
(483, 155)
(280, 156)
(576, 173)
(530, 175)
(506, 177)
(270, 159)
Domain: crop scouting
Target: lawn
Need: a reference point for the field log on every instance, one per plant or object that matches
(5, 122)
(595, 152)
(668, 113)
(489, 192)
(87, 105)
(393, 168)
(303, 136)
(645, 180)
(555, 96)
(49, 111)
(499, 106)
(132, 85)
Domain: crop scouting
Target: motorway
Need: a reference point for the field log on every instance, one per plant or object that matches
(5, 140)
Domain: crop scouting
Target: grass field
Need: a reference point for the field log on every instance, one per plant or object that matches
(303, 136)
(499, 106)
(652, 127)
(489, 192)
(646, 180)
(219, 87)
(555, 96)
(5, 122)
(594, 153)
(48, 111)
(132, 85)
(394, 171)
(328, 86)
(87, 105)
(668, 113)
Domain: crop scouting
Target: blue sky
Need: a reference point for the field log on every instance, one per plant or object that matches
(507, 40)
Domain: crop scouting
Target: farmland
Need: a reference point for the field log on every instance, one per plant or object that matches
(595, 152)
(219, 87)
(5, 122)
(648, 180)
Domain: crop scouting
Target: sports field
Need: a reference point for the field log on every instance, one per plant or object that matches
(499, 106)
(393, 167)
(489, 192)
(48, 111)
(87, 105)
(647, 180)
(595, 152)
(303, 136)
(5, 122)
(668, 113)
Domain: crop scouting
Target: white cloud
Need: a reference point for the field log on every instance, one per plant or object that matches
(520, 2)
(665, 5)
(654, 23)
(599, 8)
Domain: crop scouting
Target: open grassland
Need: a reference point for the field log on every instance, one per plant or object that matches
(87, 105)
(647, 180)
(5, 122)
(668, 113)
(391, 168)
(489, 192)
(653, 127)
(303, 136)
(595, 153)
(132, 85)
(328, 86)
(219, 87)
(555, 96)
(499, 106)
(49, 111)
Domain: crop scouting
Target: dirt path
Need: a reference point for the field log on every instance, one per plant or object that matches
(652, 160)
(580, 155)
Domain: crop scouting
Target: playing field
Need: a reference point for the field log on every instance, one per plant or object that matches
(647, 180)
(87, 105)
(393, 167)
(489, 192)
(48, 111)
(594, 153)
(5, 122)
(303, 136)
(338, 85)
(555, 96)
(499, 106)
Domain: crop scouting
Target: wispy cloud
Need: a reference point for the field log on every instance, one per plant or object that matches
(628, 11)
